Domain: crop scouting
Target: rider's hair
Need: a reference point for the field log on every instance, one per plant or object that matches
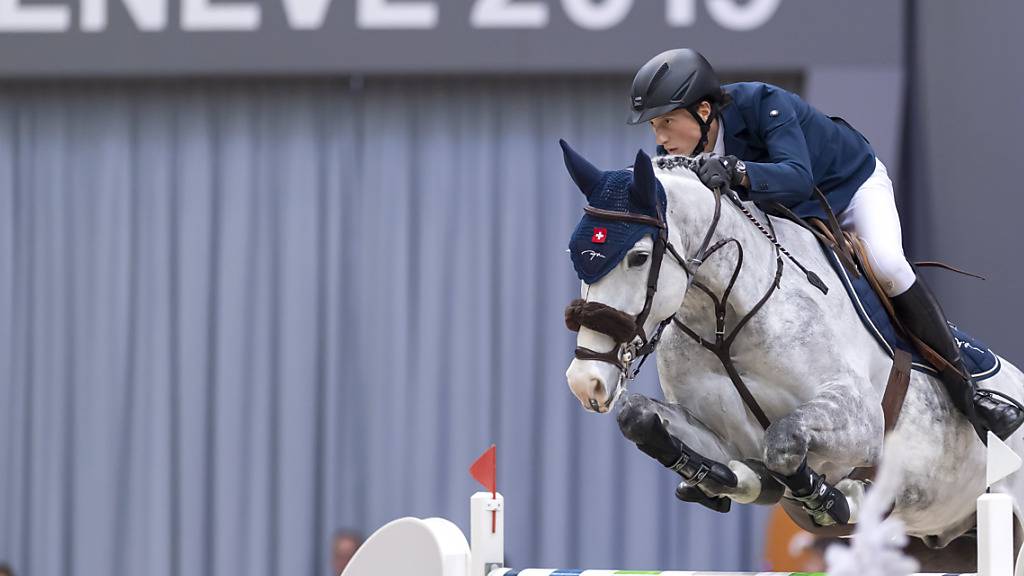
(718, 102)
(723, 98)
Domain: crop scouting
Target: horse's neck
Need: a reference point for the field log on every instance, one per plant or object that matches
(693, 218)
(786, 351)
(795, 307)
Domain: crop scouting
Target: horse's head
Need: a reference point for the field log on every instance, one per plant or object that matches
(628, 292)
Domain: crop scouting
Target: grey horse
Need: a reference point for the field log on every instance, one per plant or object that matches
(805, 356)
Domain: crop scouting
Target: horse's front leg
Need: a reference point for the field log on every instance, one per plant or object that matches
(841, 428)
(679, 441)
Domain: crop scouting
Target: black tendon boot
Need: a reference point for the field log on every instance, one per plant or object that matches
(641, 423)
(919, 312)
(823, 501)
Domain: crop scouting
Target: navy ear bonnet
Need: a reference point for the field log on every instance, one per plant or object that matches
(598, 245)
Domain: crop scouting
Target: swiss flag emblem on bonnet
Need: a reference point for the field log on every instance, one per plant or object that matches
(600, 236)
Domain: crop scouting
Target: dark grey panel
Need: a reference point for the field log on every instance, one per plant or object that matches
(263, 39)
(964, 198)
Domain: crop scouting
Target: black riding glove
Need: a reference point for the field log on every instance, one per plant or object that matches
(716, 171)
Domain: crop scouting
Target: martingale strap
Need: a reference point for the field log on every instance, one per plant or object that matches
(722, 345)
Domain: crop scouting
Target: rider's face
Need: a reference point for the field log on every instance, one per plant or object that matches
(678, 131)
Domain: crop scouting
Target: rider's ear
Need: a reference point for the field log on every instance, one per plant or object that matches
(584, 174)
(645, 184)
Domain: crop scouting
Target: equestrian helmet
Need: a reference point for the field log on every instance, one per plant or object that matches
(673, 79)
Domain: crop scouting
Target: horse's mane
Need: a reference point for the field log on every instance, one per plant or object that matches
(676, 166)
(684, 170)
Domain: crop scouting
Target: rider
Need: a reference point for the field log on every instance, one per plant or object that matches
(770, 145)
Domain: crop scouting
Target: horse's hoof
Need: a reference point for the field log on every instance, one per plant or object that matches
(688, 493)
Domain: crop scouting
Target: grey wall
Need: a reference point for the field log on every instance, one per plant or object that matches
(965, 162)
(869, 97)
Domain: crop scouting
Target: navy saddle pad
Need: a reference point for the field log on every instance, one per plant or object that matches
(982, 362)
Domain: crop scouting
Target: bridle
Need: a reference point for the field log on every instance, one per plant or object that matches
(628, 331)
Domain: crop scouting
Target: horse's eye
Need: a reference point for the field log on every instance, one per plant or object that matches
(637, 259)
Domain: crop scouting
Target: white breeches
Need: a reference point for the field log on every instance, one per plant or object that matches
(872, 215)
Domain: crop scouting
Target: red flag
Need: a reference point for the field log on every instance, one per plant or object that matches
(599, 236)
(485, 469)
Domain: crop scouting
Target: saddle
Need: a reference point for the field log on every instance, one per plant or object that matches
(876, 311)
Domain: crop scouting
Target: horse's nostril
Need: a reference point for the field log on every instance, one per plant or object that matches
(596, 387)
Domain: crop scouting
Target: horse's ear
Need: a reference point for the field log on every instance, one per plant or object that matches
(645, 183)
(584, 174)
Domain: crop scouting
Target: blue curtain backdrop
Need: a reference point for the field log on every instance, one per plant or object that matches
(236, 316)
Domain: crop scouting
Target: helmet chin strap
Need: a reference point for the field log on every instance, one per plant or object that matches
(705, 127)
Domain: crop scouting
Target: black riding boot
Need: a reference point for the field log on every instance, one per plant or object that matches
(919, 312)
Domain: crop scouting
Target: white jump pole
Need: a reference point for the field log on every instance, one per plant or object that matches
(995, 542)
(995, 512)
(552, 572)
(995, 535)
(487, 532)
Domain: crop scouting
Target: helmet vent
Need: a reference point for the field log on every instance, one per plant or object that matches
(684, 87)
(657, 77)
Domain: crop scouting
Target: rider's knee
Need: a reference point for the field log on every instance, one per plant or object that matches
(893, 271)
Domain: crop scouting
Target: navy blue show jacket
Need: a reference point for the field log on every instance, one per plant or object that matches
(790, 147)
